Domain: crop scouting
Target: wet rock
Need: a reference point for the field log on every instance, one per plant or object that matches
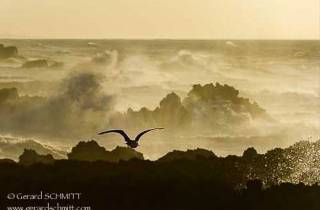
(41, 63)
(8, 52)
(188, 155)
(92, 151)
(30, 157)
(6, 161)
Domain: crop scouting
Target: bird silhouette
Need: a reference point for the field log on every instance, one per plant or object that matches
(131, 143)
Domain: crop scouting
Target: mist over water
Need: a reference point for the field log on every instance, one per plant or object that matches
(101, 79)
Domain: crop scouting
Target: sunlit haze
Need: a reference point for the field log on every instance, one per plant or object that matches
(169, 19)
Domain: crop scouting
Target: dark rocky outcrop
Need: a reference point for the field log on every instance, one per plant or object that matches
(207, 108)
(91, 151)
(6, 160)
(185, 184)
(41, 63)
(30, 157)
(250, 153)
(170, 113)
(297, 163)
(221, 98)
(88, 151)
(8, 52)
(188, 155)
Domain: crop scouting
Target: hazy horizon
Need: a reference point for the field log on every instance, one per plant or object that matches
(157, 39)
(196, 19)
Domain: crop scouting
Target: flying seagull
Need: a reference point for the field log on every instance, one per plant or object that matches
(131, 143)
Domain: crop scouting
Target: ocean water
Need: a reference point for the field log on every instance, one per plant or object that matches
(283, 77)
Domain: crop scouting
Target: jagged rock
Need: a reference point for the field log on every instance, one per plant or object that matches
(8, 52)
(172, 100)
(209, 108)
(221, 97)
(171, 113)
(88, 151)
(250, 153)
(92, 151)
(188, 155)
(30, 157)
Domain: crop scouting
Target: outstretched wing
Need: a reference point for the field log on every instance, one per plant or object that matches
(143, 132)
(125, 136)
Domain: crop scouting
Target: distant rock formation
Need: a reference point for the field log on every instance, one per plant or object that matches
(188, 155)
(30, 157)
(209, 108)
(92, 151)
(8, 52)
(221, 99)
(171, 113)
(40, 63)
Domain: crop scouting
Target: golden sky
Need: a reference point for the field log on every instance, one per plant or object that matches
(173, 19)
